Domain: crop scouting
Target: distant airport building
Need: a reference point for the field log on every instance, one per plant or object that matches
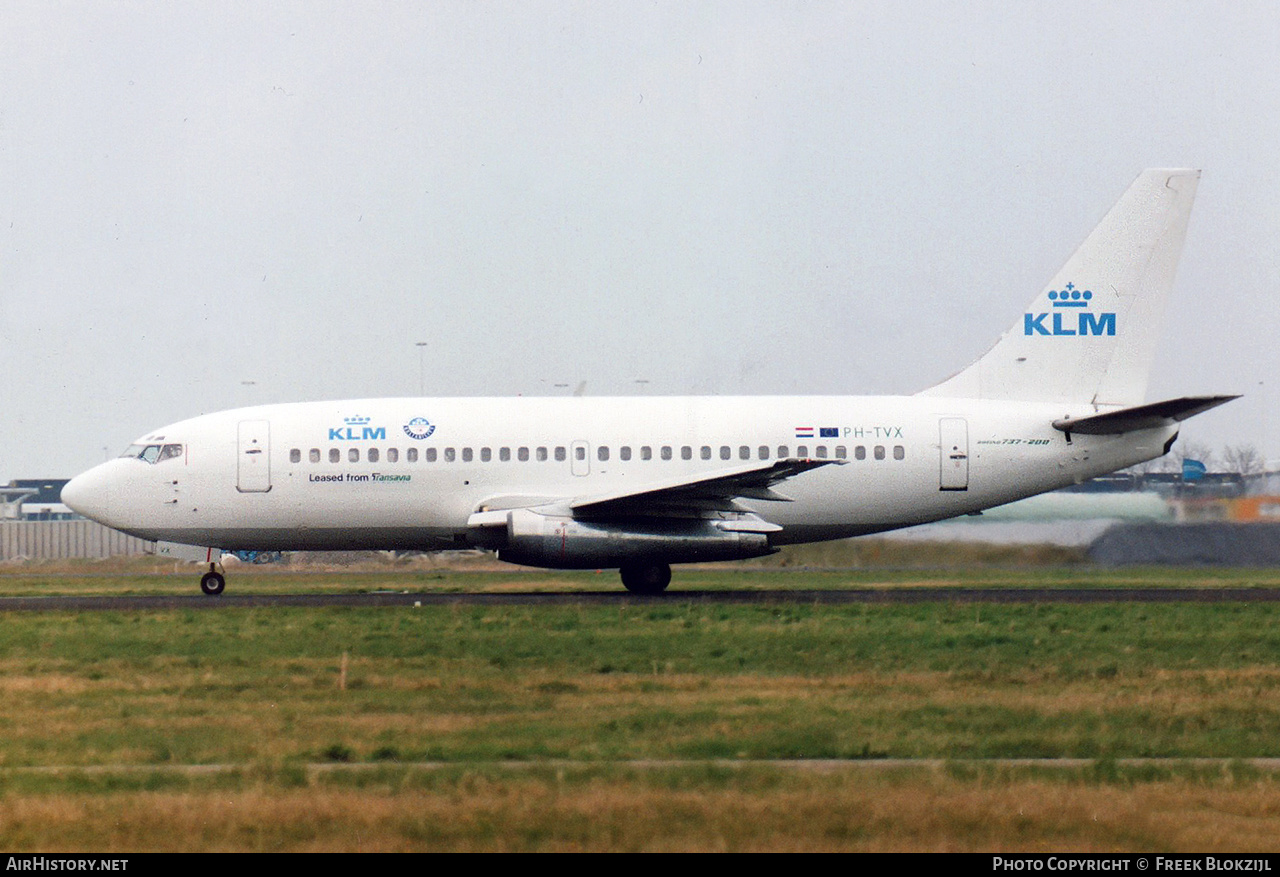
(35, 499)
(35, 525)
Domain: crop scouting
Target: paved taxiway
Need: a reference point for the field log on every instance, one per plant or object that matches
(828, 597)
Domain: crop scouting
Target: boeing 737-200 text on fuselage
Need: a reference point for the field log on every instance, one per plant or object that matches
(642, 483)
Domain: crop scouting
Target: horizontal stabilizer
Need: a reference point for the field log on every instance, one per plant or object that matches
(1152, 416)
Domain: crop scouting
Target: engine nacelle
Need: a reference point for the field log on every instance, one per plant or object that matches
(567, 543)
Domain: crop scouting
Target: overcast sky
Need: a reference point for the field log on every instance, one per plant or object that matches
(205, 205)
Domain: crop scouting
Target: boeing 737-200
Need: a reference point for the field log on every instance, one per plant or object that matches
(642, 483)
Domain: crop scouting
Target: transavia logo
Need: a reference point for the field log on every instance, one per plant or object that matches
(1085, 323)
(356, 429)
(419, 428)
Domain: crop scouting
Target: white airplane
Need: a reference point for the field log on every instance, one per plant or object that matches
(642, 483)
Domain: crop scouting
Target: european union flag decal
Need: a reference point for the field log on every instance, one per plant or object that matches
(828, 432)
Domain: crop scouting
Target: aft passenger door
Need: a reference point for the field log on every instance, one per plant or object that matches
(953, 446)
(253, 460)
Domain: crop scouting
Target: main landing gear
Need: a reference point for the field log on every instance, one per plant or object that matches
(213, 582)
(641, 577)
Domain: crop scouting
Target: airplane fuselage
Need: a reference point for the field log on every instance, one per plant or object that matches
(411, 473)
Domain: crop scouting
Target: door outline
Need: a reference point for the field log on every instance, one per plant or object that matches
(253, 456)
(953, 452)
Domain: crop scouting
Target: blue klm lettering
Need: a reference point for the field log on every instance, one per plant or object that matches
(1086, 324)
(349, 434)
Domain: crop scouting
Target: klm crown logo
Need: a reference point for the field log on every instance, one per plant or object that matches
(357, 429)
(1086, 323)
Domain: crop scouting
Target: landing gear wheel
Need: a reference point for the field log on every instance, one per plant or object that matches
(646, 578)
(212, 583)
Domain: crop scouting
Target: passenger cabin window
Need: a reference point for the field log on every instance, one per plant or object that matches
(646, 453)
(725, 452)
(335, 455)
(542, 455)
(782, 452)
(504, 455)
(580, 453)
(744, 453)
(561, 456)
(430, 455)
(666, 452)
(450, 455)
(802, 451)
(763, 451)
(485, 455)
(522, 454)
(411, 455)
(393, 455)
(373, 455)
(295, 456)
(314, 455)
(354, 455)
(602, 453)
(467, 456)
(705, 453)
(821, 451)
(624, 453)
(686, 453)
(860, 453)
(899, 452)
(841, 452)
(879, 452)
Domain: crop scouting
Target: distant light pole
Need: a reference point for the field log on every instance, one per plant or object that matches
(1262, 398)
(422, 367)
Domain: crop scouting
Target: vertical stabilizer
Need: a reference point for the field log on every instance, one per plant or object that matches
(1090, 336)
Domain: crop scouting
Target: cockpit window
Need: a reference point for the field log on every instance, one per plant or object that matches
(169, 452)
(153, 453)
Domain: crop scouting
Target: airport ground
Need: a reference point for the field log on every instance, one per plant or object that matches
(640, 725)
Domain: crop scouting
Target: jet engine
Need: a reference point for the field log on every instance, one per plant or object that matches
(561, 542)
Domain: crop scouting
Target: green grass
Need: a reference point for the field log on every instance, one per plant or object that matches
(635, 682)
(389, 728)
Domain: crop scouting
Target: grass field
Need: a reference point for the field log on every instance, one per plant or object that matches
(640, 726)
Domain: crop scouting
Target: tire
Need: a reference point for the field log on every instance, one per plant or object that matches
(212, 583)
(645, 578)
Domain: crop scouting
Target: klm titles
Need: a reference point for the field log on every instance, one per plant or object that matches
(357, 429)
(1068, 299)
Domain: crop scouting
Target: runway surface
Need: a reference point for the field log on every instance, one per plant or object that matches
(620, 598)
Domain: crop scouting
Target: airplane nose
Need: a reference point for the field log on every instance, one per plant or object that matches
(89, 494)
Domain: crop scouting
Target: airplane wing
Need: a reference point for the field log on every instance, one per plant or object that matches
(717, 491)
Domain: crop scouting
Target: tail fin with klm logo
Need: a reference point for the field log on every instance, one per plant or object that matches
(1089, 337)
